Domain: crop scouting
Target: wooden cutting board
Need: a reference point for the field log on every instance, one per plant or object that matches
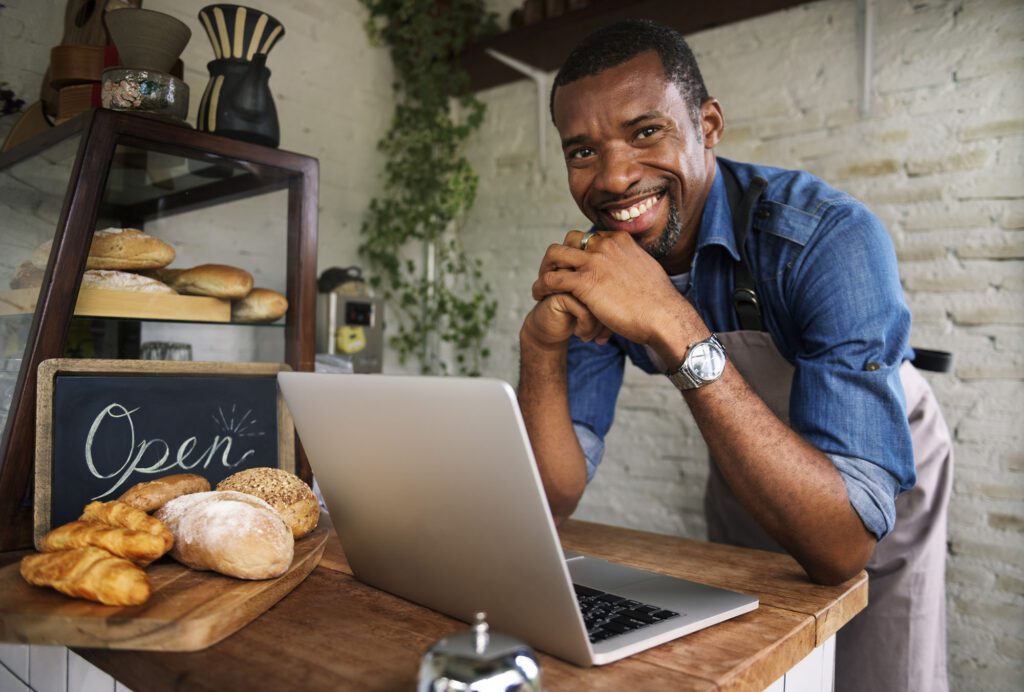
(187, 611)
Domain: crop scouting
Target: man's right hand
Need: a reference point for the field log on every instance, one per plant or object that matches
(559, 316)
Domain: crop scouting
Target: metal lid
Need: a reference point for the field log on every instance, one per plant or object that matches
(479, 660)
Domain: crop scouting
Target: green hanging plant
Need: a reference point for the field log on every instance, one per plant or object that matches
(429, 184)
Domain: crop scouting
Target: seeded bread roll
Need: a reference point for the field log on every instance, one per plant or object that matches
(214, 280)
(285, 492)
(232, 533)
(261, 305)
(153, 495)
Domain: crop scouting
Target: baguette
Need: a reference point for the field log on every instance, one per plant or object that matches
(88, 573)
(153, 495)
(138, 546)
(116, 513)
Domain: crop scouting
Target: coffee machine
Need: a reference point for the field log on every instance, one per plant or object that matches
(349, 322)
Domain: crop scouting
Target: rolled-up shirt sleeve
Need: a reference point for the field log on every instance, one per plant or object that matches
(869, 488)
(594, 378)
(847, 398)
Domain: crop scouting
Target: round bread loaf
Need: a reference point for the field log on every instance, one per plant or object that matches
(232, 533)
(285, 492)
(214, 280)
(155, 494)
(261, 305)
(112, 280)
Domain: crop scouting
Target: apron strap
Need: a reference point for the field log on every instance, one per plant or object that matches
(741, 204)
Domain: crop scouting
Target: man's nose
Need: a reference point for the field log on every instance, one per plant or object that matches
(618, 170)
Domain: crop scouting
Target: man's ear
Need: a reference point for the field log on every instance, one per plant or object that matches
(712, 122)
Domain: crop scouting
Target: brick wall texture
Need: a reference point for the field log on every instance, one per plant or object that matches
(939, 159)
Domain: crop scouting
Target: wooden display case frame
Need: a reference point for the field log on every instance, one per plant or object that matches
(101, 131)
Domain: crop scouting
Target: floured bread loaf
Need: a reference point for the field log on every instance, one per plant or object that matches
(214, 280)
(261, 305)
(110, 280)
(27, 275)
(232, 533)
(285, 492)
(118, 248)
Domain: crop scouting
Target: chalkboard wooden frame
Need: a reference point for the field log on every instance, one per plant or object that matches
(50, 369)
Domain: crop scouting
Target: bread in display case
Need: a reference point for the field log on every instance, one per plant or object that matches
(119, 229)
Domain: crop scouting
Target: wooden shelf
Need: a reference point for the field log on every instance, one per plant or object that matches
(546, 44)
(93, 302)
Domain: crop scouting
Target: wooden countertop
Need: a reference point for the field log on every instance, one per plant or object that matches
(335, 633)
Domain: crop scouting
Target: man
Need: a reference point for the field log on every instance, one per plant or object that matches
(773, 302)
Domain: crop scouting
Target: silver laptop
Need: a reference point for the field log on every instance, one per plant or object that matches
(433, 489)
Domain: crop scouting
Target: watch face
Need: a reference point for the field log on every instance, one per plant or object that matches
(706, 361)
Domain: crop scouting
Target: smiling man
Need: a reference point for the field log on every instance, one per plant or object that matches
(773, 302)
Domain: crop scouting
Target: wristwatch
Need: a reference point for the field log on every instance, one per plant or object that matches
(703, 364)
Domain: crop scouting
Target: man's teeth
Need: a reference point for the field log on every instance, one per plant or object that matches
(634, 211)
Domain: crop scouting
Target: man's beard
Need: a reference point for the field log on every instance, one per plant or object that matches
(659, 247)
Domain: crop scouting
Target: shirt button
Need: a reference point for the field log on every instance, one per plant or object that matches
(763, 213)
(872, 366)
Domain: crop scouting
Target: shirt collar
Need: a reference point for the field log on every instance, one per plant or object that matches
(716, 220)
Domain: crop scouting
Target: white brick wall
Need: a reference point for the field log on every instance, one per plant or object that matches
(939, 160)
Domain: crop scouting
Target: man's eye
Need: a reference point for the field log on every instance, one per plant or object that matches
(581, 153)
(647, 131)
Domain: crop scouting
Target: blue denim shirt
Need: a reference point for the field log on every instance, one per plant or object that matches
(831, 299)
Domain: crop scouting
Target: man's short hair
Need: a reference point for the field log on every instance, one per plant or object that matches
(621, 42)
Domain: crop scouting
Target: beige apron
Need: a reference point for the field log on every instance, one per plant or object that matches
(898, 642)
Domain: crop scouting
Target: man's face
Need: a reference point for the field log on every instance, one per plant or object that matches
(635, 161)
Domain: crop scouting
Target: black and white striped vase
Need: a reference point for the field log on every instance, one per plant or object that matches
(237, 102)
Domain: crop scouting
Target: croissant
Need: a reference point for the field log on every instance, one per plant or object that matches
(116, 513)
(88, 573)
(138, 546)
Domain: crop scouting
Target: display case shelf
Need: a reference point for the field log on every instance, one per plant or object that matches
(115, 169)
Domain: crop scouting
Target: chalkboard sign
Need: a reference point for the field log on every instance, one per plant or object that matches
(105, 425)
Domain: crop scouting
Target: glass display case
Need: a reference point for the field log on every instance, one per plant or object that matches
(213, 200)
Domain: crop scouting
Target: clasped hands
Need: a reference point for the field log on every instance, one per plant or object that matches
(613, 285)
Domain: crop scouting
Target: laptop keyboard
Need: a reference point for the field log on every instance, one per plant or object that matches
(607, 615)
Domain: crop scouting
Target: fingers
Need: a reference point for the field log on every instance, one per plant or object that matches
(560, 257)
(574, 239)
(587, 328)
(552, 282)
